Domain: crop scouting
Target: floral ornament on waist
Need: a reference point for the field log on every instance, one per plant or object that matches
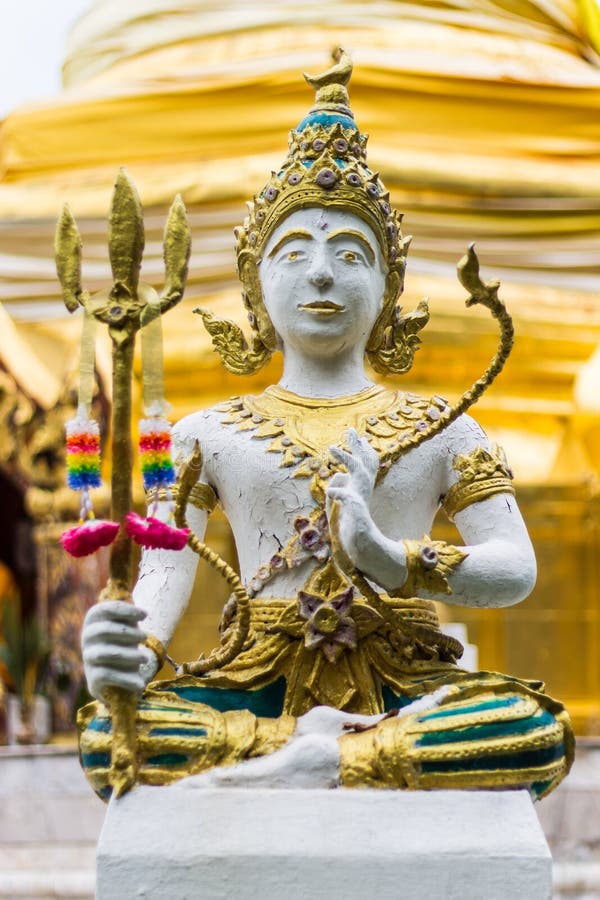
(326, 616)
(329, 627)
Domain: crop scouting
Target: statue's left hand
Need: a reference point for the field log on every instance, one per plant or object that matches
(352, 491)
(362, 463)
(360, 540)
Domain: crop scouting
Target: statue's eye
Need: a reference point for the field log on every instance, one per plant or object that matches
(349, 256)
(293, 254)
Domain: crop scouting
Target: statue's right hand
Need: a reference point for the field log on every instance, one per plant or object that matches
(111, 645)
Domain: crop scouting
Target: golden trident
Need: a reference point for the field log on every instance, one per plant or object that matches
(124, 308)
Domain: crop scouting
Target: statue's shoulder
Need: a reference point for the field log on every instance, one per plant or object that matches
(423, 413)
(208, 426)
(462, 437)
(465, 433)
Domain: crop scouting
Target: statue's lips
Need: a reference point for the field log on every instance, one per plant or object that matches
(323, 307)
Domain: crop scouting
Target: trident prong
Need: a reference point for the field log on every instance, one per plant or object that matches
(67, 253)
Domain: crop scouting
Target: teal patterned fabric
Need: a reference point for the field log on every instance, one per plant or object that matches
(518, 735)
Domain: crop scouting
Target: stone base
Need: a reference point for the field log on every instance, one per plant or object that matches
(233, 844)
(49, 824)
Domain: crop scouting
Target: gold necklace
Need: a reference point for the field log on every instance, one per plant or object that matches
(302, 429)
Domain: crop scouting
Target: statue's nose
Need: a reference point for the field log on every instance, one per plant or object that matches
(320, 273)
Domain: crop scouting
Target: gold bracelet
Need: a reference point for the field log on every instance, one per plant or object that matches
(428, 565)
(157, 647)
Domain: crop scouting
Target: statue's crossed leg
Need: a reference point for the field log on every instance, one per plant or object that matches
(459, 736)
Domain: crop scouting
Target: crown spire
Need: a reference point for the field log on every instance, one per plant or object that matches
(326, 166)
(330, 86)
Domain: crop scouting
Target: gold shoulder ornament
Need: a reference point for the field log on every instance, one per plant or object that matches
(482, 474)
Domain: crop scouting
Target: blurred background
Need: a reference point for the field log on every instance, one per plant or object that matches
(483, 122)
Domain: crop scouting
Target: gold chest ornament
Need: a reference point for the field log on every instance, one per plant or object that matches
(302, 429)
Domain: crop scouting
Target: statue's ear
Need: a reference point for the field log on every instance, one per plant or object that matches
(229, 342)
(394, 285)
(396, 353)
(250, 278)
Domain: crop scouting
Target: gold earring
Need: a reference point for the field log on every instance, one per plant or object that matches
(400, 341)
(228, 339)
(230, 343)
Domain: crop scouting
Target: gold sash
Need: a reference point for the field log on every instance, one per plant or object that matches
(406, 652)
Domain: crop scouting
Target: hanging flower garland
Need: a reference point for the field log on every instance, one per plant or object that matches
(155, 446)
(83, 458)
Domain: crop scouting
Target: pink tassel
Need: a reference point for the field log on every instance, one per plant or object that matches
(89, 537)
(153, 533)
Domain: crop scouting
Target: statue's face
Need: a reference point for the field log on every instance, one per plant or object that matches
(323, 279)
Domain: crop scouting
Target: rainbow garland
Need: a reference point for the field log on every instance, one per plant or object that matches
(83, 473)
(158, 472)
(155, 453)
(83, 453)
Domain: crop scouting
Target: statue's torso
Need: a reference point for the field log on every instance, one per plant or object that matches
(264, 491)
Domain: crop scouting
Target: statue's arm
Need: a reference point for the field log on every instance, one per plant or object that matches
(113, 635)
(500, 568)
(164, 587)
(496, 567)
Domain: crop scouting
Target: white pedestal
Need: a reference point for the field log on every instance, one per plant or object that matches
(233, 844)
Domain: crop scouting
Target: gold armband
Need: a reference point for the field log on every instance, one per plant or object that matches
(202, 496)
(482, 473)
(157, 647)
(429, 563)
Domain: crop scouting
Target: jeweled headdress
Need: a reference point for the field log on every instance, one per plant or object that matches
(326, 166)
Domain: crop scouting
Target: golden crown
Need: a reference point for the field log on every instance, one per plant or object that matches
(326, 166)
